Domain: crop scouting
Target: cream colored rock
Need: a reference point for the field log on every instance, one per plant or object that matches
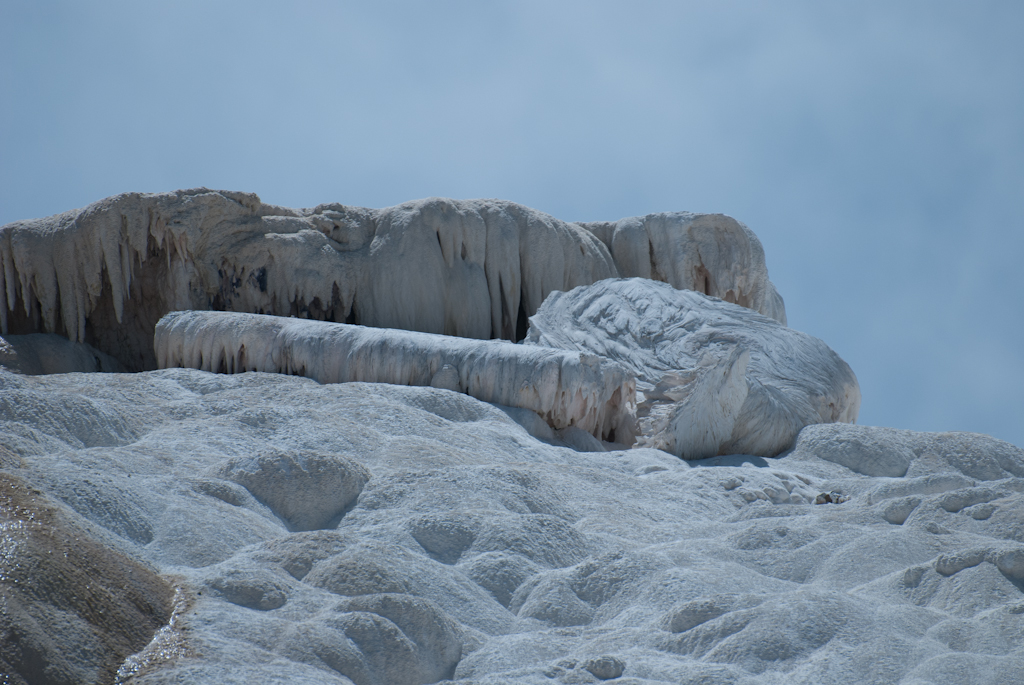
(709, 253)
(476, 268)
(716, 378)
(564, 388)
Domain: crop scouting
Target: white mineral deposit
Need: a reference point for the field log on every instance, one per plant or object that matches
(105, 274)
(716, 378)
(664, 484)
(566, 388)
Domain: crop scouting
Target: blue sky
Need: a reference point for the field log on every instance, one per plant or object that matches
(876, 148)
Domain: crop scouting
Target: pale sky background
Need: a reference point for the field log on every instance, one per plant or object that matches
(876, 148)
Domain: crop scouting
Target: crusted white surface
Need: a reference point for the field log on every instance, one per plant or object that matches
(475, 552)
(475, 268)
(717, 378)
(566, 388)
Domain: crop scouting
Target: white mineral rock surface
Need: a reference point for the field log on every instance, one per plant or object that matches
(565, 388)
(183, 526)
(476, 268)
(716, 378)
(382, 534)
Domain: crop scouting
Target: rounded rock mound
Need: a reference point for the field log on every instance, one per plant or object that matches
(308, 490)
(713, 378)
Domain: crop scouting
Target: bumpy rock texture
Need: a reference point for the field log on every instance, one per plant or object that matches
(473, 551)
(716, 378)
(107, 273)
(565, 388)
(184, 526)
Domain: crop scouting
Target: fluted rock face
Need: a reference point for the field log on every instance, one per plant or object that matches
(708, 253)
(716, 378)
(567, 389)
(478, 268)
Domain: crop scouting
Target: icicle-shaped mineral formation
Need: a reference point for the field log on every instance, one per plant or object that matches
(716, 378)
(477, 268)
(565, 388)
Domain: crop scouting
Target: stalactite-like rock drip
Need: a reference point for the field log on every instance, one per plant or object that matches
(476, 268)
(105, 274)
(564, 388)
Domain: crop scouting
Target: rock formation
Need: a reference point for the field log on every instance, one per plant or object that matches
(180, 525)
(72, 609)
(42, 353)
(459, 547)
(479, 268)
(715, 378)
(564, 388)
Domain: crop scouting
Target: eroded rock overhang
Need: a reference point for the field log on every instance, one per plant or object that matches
(105, 274)
(566, 388)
